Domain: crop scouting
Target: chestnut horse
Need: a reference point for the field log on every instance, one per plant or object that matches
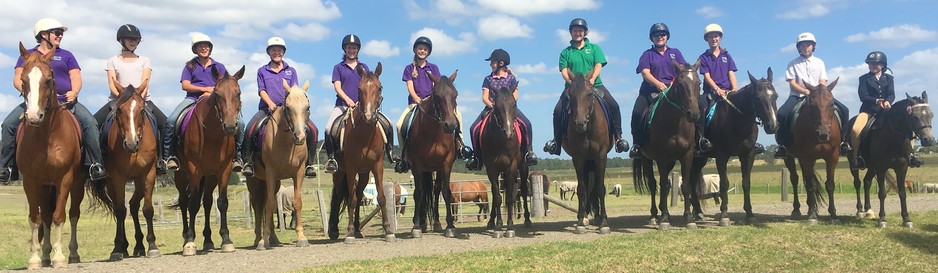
(501, 156)
(734, 130)
(205, 160)
(431, 149)
(908, 117)
(671, 139)
(816, 134)
(588, 142)
(361, 157)
(471, 191)
(49, 155)
(282, 156)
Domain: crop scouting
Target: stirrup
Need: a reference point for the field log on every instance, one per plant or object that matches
(845, 148)
(635, 152)
(172, 164)
(530, 159)
(551, 147)
(5, 174)
(402, 166)
(781, 152)
(96, 172)
(622, 145)
(916, 161)
(473, 164)
(248, 169)
(310, 171)
(704, 145)
(465, 152)
(759, 149)
(332, 166)
(160, 167)
(236, 165)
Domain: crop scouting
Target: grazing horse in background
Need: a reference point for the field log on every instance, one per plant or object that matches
(431, 150)
(131, 144)
(671, 132)
(816, 134)
(49, 155)
(282, 156)
(500, 153)
(907, 118)
(361, 157)
(588, 142)
(471, 191)
(734, 129)
(205, 156)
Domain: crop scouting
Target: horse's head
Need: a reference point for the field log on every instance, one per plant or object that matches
(443, 99)
(38, 84)
(227, 99)
(129, 117)
(920, 118)
(504, 109)
(687, 88)
(369, 93)
(296, 110)
(764, 97)
(582, 100)
(820, 106)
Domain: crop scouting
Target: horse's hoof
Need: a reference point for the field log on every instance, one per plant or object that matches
(153, 253)
(691, 225)
(812, 222)
(302, 243)
(870, 215)
(580, 230)
(881, 224)
(116, 257)
(795, 215)
(510, 234)
(438, 228)
(416, 233)
(527, 223)
(59, 263)
(664, 226)
(907, 225)
(861, 214)
(208, 247)
(653, 222)
(497, 234)
(34, 265)
(450, 233)
(390, 238)
(74, 260)
(349, 240)
(604, 230)
(725, 222)
(835, 221)
(260, 246)
(188, 249)
(227, 248)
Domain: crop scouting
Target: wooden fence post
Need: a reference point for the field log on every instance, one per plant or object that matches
(322, 212)
(784, 181)
(537, 196)
(675, 187)
(280, 217)
(247, 209)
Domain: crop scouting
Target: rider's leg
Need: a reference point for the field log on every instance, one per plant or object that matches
(389, 135)
(160, 119)
(169, 131)
(312, 142)
(844, 114)
(238, 162)
(473, 163)
(638, 127)
(8, 141)
(783, 133)
(402, 164)
(90, 141)
(462, 151)
(331, 145)
(247, 143)
(553, 146)
(858, 125)
(529, 157)
(703, 144)
(616, 119)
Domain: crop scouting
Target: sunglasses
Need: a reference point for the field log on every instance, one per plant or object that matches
(659, 35)
(57, 32)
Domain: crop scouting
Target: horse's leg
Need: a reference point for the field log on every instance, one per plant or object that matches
(135, 216)
(116, 183)
(583, 206)
(226, 244)
(793, 177)
(664, 170)
(301, 240)
(856, 187)
(180, 180)
(195, 198)
(363, 178)
(437, 191)
(47, 210)
(600, 193)
(900, 179)
(495, 223)
(269, 201)
(339, 189)
(74, 213)
(272, 240)
(255, 192)
(207, 201)
(33, 195)
(691, 198)
(419, 204)
(351, 206)
(58, 222)
(867, 183)
(652, 182)
(443, 178)
(881, 182)
(150, 182)
(383, 202)
(831, 165)
(811, 184)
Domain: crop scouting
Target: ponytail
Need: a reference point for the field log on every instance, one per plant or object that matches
(414, 72)
(191, 63)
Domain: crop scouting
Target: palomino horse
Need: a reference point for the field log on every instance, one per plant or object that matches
(282, 156)
(205, 157)
(588, 142)
(816, 136)
(361, 157)
(431, 149)
(671, 138)
(501, 156)
(471, 191)
(734, 130)
(892, 149)
(131, 145)
(49, 155)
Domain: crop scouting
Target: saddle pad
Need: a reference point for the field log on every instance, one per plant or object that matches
(19, 136)
(710, 111)
(796, 112)
(187, 114)
(338, 128)
(110, 121)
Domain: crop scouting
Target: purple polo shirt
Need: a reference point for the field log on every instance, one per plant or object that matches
(201, 76)
(422, 84)
(492, 83)
(349, 78)
(719, 68)
(660, 65)
(62, 62)
(272, 82)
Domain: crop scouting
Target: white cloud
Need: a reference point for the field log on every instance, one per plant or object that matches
(308, 32)
(500, 27)
(241, 31)
(709, 12)
(898, 36)
(455, 12)
(915, 72)
(450, 11)
(539, 68)
(803, 9)
(380, 49)
(6, 61)
(846, 89)
(594, 36)
(790, 48)
(444, 45)
(534, 7)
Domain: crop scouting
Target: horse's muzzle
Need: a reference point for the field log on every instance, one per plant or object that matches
(927, 138)
(770, 127)
(131, 146)
(581, 126)
(692, 115)
(299, 138)
(823, 135)
(229, 129)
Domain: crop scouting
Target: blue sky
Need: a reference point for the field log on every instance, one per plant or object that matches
(759, 34)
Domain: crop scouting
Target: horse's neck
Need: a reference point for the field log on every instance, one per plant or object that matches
(895, 118)
(742, 99)
(206, 117)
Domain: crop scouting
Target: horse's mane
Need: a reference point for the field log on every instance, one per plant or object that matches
(128, 93)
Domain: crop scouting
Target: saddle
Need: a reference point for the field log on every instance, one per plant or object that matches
(479, 130)
(872, 124)
(109, 121)
(19, 136)
(408, 121)
(257, 133)
(338, 129)
(796, 112)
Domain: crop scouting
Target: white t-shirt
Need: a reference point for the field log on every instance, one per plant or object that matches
(129, 73)
(806, 70)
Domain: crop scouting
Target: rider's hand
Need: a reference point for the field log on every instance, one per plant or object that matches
(350, 103)
(205, 95)
(70, 96)
(272, 107)
(721, 92)
(661, 86)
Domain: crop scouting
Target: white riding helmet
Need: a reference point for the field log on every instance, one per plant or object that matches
(712, 28)
(806, 37)
(45, 24)
(276, 41)
(198, 38)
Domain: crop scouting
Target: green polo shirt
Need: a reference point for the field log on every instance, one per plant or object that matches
(582, 60)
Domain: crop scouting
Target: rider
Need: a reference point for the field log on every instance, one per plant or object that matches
(658, 73)
(345, 80)
(67, 75)
(803, 70)
(581, 57)
(270, 88)
(501, 77)
(128, 68)
(198, 82)
(719, 71)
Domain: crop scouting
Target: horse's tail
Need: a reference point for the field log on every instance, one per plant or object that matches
(638, 179)
(99, 190)
(821, 190)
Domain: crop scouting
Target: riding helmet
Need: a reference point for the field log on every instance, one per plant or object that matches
(876, 57)
(45, 24)
(351, 39)
(276, 41)
(659, 27)
(199, 38)
(128, 31)
(500, 55)
(578, 22)
(713, 28)
(425, 41)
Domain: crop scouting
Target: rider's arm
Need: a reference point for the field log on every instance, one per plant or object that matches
(485, 97)
(338, 91)
(597, 68)
(18, 79)
(145, 82)
(646, 74)
(733, 85)
(797, 87)
(113, 85)
(411, 91)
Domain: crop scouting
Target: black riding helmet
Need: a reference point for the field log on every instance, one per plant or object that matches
(876, 57)
(500, 55)
(578, 22)
(426, 41)
(128, 31)
(659, 27)
(351, 39)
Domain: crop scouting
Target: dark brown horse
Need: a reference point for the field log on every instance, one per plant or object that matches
(734, 131)
(431, 150)
(282, 156)
(49, 155)
(670, 139)
(907, 118)
(501, 156)
(131, 146)
(205, 157)
(362, 156)
(471, 191)
(816, 136)
(588, 142)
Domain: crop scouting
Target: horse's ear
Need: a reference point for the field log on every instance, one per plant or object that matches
(812, 88)
(751, 78)
(361, 70)
(769, 74)
(590, 74)
(378, 69)
(433, 78)
(677, 67)
(453, 76)
(23, 52)
(216, 75)
(830, 87)
(924, 97)
(239, 74)
(907, 97)
(306, 86)
(48, 56)
(696, 65)
(286, 85)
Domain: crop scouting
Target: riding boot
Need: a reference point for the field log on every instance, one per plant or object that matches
(166, 144)
(473, 164)
(759, 149)
(247, 150)
(5, 174)
(781, 152)
(636, 151)
(553, 146)
(462, 151)
(331, 164)
(311, 145)
(916, 161)
(530, 158)
(237, 163)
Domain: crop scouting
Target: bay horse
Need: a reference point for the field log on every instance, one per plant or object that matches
(816, 134)
(361, 157)
(734, 130)
(431, 150)
(588, 142)
(501, 156)
(49, 155)
(132, 155)
(907, 118)
(283, 155)
(205, 160)
(671, 139)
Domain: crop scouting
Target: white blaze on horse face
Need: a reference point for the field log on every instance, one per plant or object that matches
(133, 127)
(690, 76)
(32, 100)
